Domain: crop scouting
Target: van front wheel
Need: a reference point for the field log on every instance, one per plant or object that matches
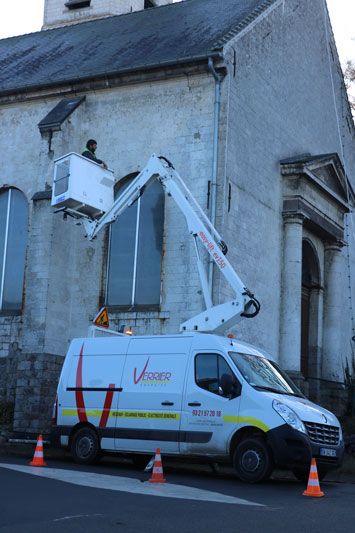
(252, 460)
(85, 446)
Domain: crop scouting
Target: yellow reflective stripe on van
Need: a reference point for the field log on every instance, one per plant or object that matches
(70, 412)
(246, 420)
(125, 414)
(88, 412)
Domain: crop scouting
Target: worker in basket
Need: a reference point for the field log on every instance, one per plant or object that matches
(90, 150)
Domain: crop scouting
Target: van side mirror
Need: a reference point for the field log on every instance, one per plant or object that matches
(229, 386)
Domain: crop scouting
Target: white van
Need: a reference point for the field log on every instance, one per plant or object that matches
(195, 395)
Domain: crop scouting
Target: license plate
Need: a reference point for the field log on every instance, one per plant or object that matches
(327, 452)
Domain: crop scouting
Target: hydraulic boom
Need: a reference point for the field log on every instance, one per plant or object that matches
(215, 318)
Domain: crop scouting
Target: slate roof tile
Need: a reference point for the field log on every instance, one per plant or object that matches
(143, 39)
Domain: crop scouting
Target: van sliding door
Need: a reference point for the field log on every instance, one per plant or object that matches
(150, 402)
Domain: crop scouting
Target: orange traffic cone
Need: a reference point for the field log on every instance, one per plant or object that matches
(313, 488)
(38, 456)
(157, 476)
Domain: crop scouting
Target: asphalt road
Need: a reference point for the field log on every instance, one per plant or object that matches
(65, 497)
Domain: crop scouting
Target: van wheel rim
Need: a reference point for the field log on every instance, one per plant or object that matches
(251, 461)
(85, 446)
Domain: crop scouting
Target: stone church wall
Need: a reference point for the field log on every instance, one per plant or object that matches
(277, 102)
(281, 105)
(65, 274)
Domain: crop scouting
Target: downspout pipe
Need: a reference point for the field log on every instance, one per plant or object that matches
(217, 104)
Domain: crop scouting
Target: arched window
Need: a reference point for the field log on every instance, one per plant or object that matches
(135, 252)
(13, 244)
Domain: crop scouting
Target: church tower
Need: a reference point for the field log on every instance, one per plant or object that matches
(64, 12)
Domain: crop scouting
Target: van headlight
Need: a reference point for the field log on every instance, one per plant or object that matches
(289, 416)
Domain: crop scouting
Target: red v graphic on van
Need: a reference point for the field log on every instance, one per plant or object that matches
(140, 377)
(79, 397)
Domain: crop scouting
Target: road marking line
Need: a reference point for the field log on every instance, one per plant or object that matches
(124, 484)
(76, 516)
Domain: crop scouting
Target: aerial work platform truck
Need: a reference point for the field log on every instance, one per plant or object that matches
(197, 393)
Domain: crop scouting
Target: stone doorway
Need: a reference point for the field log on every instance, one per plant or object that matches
(311, 298)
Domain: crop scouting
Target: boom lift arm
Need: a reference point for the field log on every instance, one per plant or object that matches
(216, 318)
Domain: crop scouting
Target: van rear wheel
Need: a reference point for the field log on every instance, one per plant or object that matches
(252, 460)
(85, 447)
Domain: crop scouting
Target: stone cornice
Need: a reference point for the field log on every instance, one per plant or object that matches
(106, 82)
(313, 219)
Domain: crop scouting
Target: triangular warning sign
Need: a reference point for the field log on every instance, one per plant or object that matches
(101, 319)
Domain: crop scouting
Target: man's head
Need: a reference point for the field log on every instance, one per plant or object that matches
(91, 145)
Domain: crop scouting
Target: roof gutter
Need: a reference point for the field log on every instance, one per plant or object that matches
(217, 104)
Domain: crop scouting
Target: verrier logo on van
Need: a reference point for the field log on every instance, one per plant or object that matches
(151, 378)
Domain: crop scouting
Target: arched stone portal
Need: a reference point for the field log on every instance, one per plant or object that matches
(314, 190)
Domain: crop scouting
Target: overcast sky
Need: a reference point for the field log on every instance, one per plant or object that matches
(25, 16)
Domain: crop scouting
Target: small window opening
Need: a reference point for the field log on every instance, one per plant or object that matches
(77, 4)
(61, 178)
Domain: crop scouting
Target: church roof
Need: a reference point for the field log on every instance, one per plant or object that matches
(175, 33)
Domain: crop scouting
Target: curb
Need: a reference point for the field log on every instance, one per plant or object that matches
(26, 449)
(346, 474)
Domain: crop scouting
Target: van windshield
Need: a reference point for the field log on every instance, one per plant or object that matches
(263, 374)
